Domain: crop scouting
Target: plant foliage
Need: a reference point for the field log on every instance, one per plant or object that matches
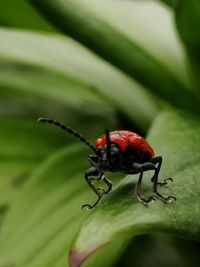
(96, 65)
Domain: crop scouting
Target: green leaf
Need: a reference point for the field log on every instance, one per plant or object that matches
(188, 20)
(171, 3)
(22, 15)
(155, 250)
(175, 136)
(20, 153)
(128, 19)
(48, 207)
(78, 20)
(3, 210)
(47, 213)
(26, 80)
(73, 68)
(188, 23)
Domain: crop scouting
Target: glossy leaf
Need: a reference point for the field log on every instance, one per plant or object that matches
(188, 16)
(176, 137)
(26, 80)
(188, 23)
(127, 17)
(48, 73)
(47, 212)
(45, 197)
(21, 153)
(171, 3)
(65, 62)
(21, 14)
(78, 20)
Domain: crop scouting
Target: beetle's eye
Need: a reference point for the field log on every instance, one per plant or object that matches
(100, 151)
(114, 150)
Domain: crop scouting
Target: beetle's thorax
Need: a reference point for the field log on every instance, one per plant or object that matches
(115, 160)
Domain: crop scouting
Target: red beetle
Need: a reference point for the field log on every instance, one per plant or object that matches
(119, 151)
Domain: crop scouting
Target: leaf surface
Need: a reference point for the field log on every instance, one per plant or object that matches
(21, 14)
(20, 153)
(47, 213)
(188, 23)
(120, 216)
(79, 74)
(83, 24)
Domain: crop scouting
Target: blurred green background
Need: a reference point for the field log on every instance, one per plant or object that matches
(93, 65)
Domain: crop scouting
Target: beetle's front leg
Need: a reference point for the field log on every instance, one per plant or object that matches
(92, 172)
(108, 183)
(93, 159)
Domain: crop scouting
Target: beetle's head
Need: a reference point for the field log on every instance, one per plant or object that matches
(108, 156)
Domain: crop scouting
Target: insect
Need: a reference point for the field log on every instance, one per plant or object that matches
(119, 151)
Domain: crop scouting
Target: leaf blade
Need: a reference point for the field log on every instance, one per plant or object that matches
(121, 216)
(16, 213)
(80, 68)
(188, 21)
(74, 19)
(16, 161)
(20, 14)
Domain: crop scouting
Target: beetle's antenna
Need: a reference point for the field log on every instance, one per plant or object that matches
(108, 143)
(68, 129)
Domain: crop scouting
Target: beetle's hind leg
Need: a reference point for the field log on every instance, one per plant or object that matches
(165, 181)
(92, 172)
(158, 161)
(159, 195)
(138, 190)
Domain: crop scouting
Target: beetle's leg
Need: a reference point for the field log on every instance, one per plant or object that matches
(158, 160)
(92, 172)
(109, 184)
(141, 168)
(155, 190)
(138, 190)
(165, 181)
(93, 159)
